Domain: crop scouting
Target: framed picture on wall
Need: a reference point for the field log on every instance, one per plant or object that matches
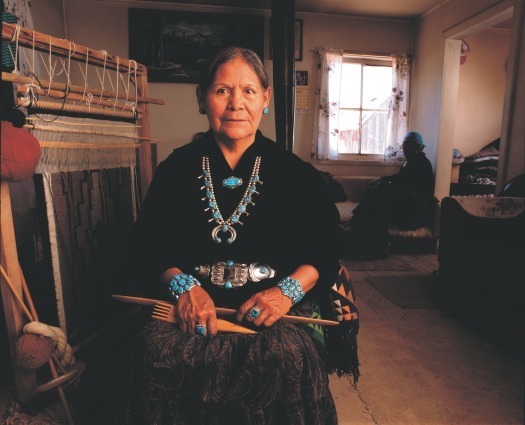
(302, 79)
(174, 45)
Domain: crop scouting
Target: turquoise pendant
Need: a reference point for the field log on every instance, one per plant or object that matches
(232, 182)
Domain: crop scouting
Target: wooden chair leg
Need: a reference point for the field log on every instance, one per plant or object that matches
(13, 289)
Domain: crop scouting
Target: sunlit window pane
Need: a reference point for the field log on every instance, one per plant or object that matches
(377, 87)
(373, 133)
(349, 131)
(364, 101)
(351, 85)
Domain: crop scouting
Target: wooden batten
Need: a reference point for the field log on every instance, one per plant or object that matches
(82, 145)
(14, 78)
(72, 130)
(78, 111)
(15, 320)
(60, 94)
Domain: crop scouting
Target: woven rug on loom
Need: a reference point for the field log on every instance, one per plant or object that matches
(392, 263)
(88, 215)
(413, 291)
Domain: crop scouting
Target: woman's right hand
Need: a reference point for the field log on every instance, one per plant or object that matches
(195, 307)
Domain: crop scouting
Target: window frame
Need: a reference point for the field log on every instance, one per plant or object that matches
(363, 60)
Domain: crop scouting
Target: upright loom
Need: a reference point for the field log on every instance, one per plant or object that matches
(95, 166)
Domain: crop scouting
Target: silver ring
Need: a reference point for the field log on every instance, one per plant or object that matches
(254, 313)
(201, 330)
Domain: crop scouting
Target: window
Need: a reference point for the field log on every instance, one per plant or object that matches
(362, 106)
(365, 93)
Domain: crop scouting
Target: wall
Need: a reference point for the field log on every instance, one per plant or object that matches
(481, 94)
(429, 78)
(512, 149)
(48, 17)
(352, 34)
(103, 25)
(178, 119)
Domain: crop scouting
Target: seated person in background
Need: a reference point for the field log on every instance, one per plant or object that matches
(190, 224)
(405, 200)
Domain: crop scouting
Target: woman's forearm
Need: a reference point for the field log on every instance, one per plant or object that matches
(307, 275)
(166, 277)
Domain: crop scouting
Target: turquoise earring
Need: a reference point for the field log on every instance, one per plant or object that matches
(265, 110)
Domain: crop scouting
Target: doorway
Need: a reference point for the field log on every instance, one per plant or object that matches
(454, 36)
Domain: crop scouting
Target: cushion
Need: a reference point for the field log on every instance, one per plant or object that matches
(20, 153)
(346, 210)
(420, 232)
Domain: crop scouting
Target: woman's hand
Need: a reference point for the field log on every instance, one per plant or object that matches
(195, 307)
(272, 305)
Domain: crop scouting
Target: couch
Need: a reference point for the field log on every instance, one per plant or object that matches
(481, 265)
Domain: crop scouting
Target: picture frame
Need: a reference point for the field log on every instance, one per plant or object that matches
(174, 45)
(302, 78)
(298, 38)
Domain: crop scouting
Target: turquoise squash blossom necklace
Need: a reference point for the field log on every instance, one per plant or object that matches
(226, 226)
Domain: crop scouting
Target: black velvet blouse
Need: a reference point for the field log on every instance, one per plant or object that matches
(416, 176)
(293, 221)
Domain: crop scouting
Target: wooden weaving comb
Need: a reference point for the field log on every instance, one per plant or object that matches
(163, 311)
(225, 311)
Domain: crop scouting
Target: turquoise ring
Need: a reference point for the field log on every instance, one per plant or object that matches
(254, 313)
(201, 330)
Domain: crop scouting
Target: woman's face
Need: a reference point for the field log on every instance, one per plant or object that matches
(410, 148)
(235, 102)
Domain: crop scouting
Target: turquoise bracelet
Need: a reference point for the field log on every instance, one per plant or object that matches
(181, 283)
(291, 288)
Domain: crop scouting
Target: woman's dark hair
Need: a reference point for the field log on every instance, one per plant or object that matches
(227, 55)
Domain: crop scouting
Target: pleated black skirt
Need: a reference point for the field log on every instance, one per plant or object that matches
(276, 376)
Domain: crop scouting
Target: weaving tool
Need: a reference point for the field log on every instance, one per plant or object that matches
(165, 312)
(224, 311)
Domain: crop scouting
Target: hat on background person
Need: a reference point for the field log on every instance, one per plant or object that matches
(415, 137)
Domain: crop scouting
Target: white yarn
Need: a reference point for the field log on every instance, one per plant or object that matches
(63, 350)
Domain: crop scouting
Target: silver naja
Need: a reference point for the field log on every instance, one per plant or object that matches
(223, 228)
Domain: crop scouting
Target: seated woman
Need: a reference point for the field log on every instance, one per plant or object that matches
(405, 200)
(233, 220)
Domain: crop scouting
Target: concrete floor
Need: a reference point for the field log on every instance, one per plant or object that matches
(426, 367)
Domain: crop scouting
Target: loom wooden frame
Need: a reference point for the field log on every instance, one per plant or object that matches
(15, 320)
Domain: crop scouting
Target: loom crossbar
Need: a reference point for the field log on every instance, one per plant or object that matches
(14, 78)
(59, 94)
(82, 145)
(74, 110)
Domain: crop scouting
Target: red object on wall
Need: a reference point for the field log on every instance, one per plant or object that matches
(20, 152)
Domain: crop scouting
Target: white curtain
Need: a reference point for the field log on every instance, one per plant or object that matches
(326, 133)
(398, 110)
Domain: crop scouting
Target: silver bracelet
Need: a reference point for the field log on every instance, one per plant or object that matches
(181, 283)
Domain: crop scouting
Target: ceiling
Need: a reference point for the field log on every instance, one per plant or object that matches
(398, 9)
(391, 9)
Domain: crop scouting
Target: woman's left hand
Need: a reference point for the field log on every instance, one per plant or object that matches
(271, 305)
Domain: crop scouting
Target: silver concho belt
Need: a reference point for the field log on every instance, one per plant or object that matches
(229, 274)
